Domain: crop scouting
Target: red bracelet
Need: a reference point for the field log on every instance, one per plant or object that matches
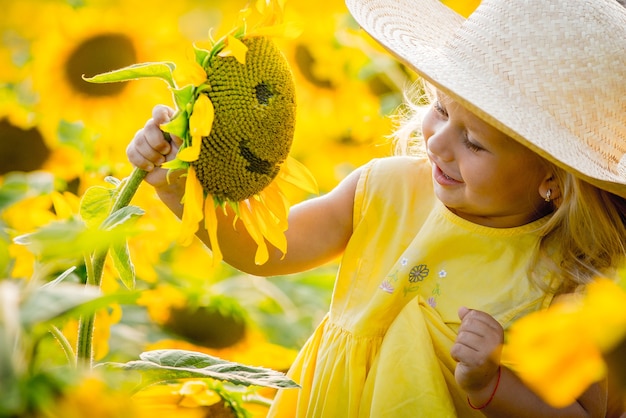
(492, 394)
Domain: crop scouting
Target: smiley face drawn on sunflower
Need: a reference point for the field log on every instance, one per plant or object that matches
(255, 111)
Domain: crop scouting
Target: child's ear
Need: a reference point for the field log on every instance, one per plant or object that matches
(549, 189)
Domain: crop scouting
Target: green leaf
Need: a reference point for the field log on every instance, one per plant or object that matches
(121, 217)
(201, 55)
(175, 165)
(49, 302)
(163, 365)
(61, 277)
(178, 125)
(162, 70)
(68, 241)
(95, 205)
(123, 265)
(183, 96)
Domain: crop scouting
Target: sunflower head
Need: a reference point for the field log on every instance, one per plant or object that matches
(235, 113)
(255, 108)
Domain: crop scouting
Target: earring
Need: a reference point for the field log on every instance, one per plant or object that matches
(548, 194)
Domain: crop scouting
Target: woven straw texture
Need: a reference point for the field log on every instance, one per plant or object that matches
(550, 74)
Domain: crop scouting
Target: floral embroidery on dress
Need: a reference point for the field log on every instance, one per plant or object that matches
(432, 301)
(387, 284)
(418, 273)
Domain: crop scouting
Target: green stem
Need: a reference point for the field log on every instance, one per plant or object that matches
(65, 344)
(84, 350)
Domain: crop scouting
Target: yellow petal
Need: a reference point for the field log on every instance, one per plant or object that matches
(297, 174)
(268, 225)
(234, 47)
(604, 304)
(62, 206)
(289, 30)
(271, 11)
(200, 125)
(276, 202)
(191, 153)
(192, 211)
(262, 254)
(201, 119)
(189, 73)
(551, 354)
(210, 224)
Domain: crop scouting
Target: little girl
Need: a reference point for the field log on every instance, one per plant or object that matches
(519, 200)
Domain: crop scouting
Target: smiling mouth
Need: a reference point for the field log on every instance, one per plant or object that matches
(444, 179)
(447, 176)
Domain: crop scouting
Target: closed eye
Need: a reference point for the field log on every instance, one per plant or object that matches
(470, 145)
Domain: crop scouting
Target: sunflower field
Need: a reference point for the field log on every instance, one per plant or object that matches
(103, 312)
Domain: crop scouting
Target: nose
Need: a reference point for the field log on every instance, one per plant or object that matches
(439, 140)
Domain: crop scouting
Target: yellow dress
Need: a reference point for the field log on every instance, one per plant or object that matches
(383, 350)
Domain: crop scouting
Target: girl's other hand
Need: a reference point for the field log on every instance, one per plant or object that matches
(477, 350)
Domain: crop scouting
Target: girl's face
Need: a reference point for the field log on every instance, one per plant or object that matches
(481, 174)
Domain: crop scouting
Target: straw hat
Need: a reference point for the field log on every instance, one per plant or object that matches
(550, 74)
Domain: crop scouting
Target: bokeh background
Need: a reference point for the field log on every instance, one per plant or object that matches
(60, 135)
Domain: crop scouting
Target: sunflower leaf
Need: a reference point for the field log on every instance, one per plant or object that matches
(178, 125)
(163, 365)
(162, 70)
(68, 241)
(48, 303)
(123, 265)
(183, 96)
(95, 205)
(121, 216)
(201, 54)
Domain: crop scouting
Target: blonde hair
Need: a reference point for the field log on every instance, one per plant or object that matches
(586, 232)
(585, 236)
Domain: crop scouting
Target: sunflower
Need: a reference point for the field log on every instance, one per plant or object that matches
(236, 117)
(560, 351)
(89, 40)
(213, 324)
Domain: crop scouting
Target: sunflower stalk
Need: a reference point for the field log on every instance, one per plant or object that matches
(94, 274)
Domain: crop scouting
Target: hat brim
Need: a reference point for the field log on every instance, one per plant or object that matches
(419, 33)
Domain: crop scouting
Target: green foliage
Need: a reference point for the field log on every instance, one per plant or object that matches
(159, 366)
(27, 312)
(162, 70)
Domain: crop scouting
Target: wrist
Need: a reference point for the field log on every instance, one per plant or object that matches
(480, 399)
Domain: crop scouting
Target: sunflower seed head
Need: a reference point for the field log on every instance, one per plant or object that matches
(254, 122)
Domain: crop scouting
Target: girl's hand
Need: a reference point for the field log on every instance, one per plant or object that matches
(477, 349)
(149, 148)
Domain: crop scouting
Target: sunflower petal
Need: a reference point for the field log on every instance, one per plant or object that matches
(191, 73)
(558, 372)
(604, 304)
(262, 254)
(191, 153)
(287, 30)
(268, 225)
(192, 211)
(276, 202)
(297, 174)
(201, 119)
(210, 224)
(234, 48)
(61, 205)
